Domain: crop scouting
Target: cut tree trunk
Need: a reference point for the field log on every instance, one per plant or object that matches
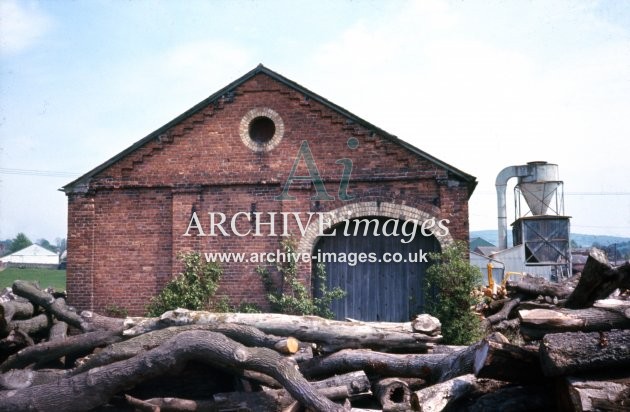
(331, 335)
(94, 388)
(378, 363)
(538, 322)
(393, 394)
(568, 353)
(47, 301)
(534, 286)
(17, 309)
(599, 279)
(507, 362)
(48, 351)
(439, 396)
(583, 394)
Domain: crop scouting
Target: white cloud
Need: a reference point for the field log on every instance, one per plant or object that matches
(22, 24)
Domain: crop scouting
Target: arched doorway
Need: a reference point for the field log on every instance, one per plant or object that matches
(377, 289)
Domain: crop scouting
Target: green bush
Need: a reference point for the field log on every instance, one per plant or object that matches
(449, 285)
(193, 289)
(291, 296)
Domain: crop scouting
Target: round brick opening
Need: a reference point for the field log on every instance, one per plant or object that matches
(261, 129)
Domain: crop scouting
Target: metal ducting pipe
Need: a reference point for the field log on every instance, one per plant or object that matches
(531, 173)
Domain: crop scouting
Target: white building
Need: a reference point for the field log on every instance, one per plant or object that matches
(31, 256)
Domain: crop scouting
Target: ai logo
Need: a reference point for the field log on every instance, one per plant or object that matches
(305, 154)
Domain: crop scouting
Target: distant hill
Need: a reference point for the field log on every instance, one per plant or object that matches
(581, 239)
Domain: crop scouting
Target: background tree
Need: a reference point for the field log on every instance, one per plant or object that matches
(19, 242)
(47, 245)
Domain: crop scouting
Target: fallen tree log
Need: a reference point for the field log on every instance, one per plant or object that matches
(52, 350)
(502, 314)
(599, 279)
(47, 301)
(534, 286)
(92, 321)
(536, 323)
(94, 388)
(33, 325)
(507, 362)
(331, 335)
(348, 386)
(584, 394)
(245, 335)
(568, 353)
(23, 378)
(182, 405)
(378, 363)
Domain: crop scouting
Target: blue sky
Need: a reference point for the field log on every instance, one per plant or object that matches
(479, 84)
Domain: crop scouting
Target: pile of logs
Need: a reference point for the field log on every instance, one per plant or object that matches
(575, 356)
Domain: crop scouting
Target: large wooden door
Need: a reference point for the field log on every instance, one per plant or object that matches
(376, 291)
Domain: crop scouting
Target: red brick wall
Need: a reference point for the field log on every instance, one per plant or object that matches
(126, 230)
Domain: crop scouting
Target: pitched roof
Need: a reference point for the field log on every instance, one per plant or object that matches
(470, 180)
(33, 250)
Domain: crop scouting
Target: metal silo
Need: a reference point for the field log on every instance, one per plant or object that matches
(540, 224)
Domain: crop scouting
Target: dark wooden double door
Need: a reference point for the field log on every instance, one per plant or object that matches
(378, 290)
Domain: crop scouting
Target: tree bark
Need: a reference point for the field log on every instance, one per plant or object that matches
(537, 323)
(331, 335)
(599, 279)
(568, 353)
(48, 351)
(534, 286)
(91, 389)
(58, 331)
(506, 362)
(379, 363)
(47, 301)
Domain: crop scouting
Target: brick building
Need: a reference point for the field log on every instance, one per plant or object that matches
(242, 170)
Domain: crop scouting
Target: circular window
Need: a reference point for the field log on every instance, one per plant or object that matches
(261, 129)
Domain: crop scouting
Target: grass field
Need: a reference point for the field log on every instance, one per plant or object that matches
(45, 277)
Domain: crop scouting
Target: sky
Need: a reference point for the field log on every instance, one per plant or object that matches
(479, 84)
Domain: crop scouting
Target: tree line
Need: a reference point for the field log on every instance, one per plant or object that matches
(21, 241)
